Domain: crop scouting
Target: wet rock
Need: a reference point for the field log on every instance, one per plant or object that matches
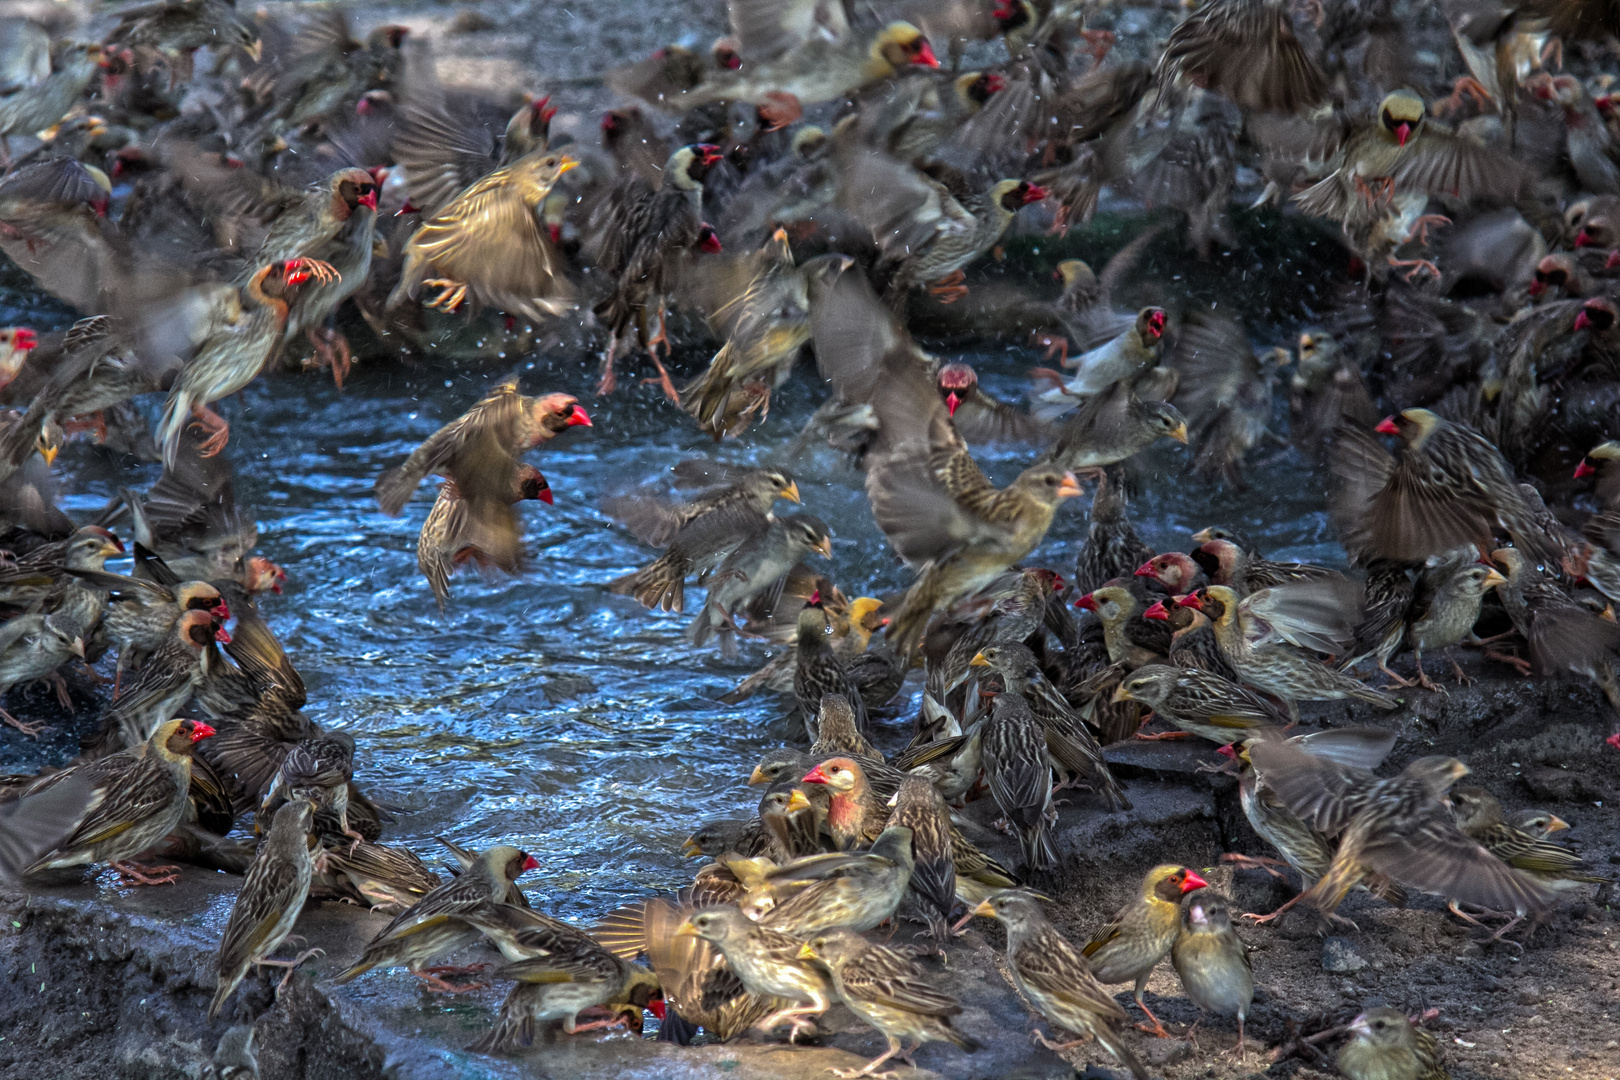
(1341, 957)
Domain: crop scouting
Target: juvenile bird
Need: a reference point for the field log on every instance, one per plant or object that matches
(1385, 1046)
(768, 963)
(1212, 960)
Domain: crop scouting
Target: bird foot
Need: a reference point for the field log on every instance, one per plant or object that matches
(778, 109)
(291, 965)
(1418, 266)
(219, 432)
(59, 684)
(1256, 862)
(451, 295)
(1420, 228)
(663, 379)
(1462, 679)
(620, 1020)
(1053, 345)
(1039, 1038)
(331, 351)
(1385, 186)
(434, 980)
(323, 272)
(1164, 736)
(32, 729)
(1524, 666)
(949, 289)
(1156, 1030)
(1466, 86)
(135, 874)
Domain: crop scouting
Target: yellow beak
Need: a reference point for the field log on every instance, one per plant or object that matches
(77, 648)
(691, 849)
(825, 547)
(791, 492)
(567, 163)
(1122, 693)
(1070, 487)
(1556, 823)
(1179, 433)
(985, 908)
(686, 929)
(978, 660)
(254, 51)
(48, 453)
(758, 777)
(797, 802)
(1493, 578)
(806, 952)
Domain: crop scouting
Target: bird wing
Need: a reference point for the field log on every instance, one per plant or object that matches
(885, 977)
(853, 333)
(906, 210)
(32, 826)
(132, 789)
(1051, 965)
(1445, 164)
(766, 29)
(272, 886)
(1319, 790)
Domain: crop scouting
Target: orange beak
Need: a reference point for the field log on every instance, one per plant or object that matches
(816, 776)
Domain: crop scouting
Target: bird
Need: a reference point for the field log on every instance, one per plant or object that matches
(1199, 702)
(1212, 961)
(32, 647)
(319, 771)
(1479, 814)
(1384, 1045)
(1055, 977)
(434, 926)
(134, 799)
(488, 245)
(1247, 51)
(458, 532)
(768, 963)
(1019, 775)
(1131, 943)
(165, 683)
(269, 903)
(819, 671)
(888, 990)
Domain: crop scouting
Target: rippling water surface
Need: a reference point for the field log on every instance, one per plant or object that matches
(543, 711)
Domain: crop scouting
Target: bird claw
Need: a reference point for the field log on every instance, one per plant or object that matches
(1418, 266)
(219, 431)
(1465, 86)
(33, 729)
(1420, 228)
(323, 272)
(1386, 190)
(134, 874)
(1523, 666)
(1053, 344)
(331, 351)
(1256, 862)
(1039, 1038)
(451, 296)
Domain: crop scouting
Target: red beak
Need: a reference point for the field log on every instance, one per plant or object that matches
(711, 243)
(408, 208)
(1612, 261)
(1582, 322)
(1086, 603)
(1537, 287)
(555, 232)
(1585, 469)
(1386, 426)
(1157, 612)
(200, 731)
(23, 339)
(1614, 741)
(577, 418)
(1190, 600)
(657, 1008)
(1147, 569)
(1403, 133)
(222, 636)
(221, 611)
(815, 776)
(545, 496)
(530, 863)
(925, 55)
(1584, 239)
(1193, 881)
(368, 199)
(1034, 194)
(952, 402)
(1227, 751)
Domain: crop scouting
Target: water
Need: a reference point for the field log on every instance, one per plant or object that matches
(544, 711)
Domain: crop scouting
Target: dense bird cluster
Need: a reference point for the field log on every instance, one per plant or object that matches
(218, 192)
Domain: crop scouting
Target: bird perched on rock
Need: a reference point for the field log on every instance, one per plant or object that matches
(1212, 960)
(1479, 814)
(887, 989)
(1054, 975)
(1385, 1046)
(135, 799)
(768, 963)
(270, 901)
(1131, 944)
(1200, 702)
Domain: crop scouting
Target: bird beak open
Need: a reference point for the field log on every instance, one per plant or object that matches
(1402, 133)
(806, 952)
(1193, 881)
(791, 492)
(577, 418)
(1070, 487)
(825, 547)
(691, 849)
(815, 776)
(797, 802)
(1086, 603)
(758, 777)
(201, 731)
(1156, 612)
(1179, 433)
(952, 403)
(978, 660)
(1585, 469)
(1386, 426)
(1122, 693)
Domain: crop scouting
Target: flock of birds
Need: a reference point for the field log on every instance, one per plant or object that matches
(211, 189)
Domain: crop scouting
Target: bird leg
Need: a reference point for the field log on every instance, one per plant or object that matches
(662, 338)
(1418, 266)
(32, 729)
(1386, 190)
(895, 1048)
(1462, 680)
(63, 698)
(1524, 666)
(434, 978)
(1399, 683)
(801, 1016)
(610, 379)
(1256, 862)
(617, 1020)
(1259, 919)
(1039, 1037)
(451, 296)
(331, 351)
(135, 874)
(1053, 344)
(219, 432)
(1157, 1029)
(1466, 86)
(1423, 679)
(1512, 921)
(1420, 228)
(291, 965)
(949, 288)
(1553, 51)
(1164, 735)
(778, 109)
